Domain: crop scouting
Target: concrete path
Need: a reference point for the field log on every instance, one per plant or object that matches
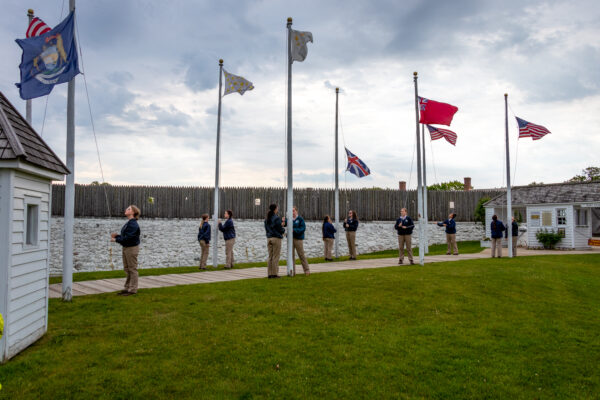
(150, 282)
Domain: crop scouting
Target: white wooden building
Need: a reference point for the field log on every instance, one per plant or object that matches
(27, 168)
(572, 209)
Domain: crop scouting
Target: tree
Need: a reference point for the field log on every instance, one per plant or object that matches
(452, 185)
(480, 210)
(589, 174)
(96, 183)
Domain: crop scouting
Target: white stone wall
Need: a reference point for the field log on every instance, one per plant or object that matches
(172, 242)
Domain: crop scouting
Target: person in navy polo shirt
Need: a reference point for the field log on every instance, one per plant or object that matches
(404, 226)
(204, 240)
(229, 235)
(350, 226)
(130, 240)
(328, 237)
(450, 225)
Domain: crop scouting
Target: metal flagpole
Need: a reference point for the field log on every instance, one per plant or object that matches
(28, 114)
(69, 218)
(217, 165)
(419, 186)
(425, 215)
(508, 193)
(290, 181)
(337, 185)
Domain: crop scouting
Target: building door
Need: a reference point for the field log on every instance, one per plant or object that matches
(596, 222)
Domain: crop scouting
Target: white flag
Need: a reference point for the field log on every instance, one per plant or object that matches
(299, 48)
(234, 83)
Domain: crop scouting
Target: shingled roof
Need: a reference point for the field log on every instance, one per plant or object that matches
(554, 193)
(18, 140)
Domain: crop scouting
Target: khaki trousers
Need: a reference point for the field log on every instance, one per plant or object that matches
(274, 248)
(351, 238)
(130, 264)
(451, 242)
(328, 247)
(299, 248)
(204, 257)
(496, 245)
(229, 253)
(405, 240)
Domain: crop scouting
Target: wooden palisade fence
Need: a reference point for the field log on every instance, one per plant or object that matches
(191, 202)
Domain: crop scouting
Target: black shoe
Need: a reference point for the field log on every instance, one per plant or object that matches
(412, 262)
(122, 292)
(202, 268)
(127, 294)
(400, 261)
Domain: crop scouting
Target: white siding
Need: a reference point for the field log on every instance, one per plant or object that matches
(581, 234)
(28, 269)
(6, 203)
(489, 212)
(567, 241)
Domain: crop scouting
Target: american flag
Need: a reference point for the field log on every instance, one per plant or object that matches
(527, 129)
(356, 166)
(37, 27)
(438, 133)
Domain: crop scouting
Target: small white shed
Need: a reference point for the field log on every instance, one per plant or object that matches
(27, 168)
(572, 209)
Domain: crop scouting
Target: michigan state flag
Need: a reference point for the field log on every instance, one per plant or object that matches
(48, 60)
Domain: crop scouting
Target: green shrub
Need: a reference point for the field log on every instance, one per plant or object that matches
(480, 210)
(548, 238)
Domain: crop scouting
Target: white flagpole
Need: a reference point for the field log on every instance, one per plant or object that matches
(508, 192)
(425, 215)
(290, 181)
(337, 185)
(28, 113)
(419, 185)
(69, 217)
(215, 228)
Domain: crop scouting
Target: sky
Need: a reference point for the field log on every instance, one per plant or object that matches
(151, 76)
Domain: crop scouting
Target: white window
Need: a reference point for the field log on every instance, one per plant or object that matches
(546, 218)
(561, 216)
(581, 217)
(32, 221)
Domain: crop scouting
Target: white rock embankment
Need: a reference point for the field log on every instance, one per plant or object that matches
(172, 242)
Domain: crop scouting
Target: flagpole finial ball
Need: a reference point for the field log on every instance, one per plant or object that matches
(30, 11)
(289, 20)
(337, 89)
(415, 73)
(505, 94)
(220, 61)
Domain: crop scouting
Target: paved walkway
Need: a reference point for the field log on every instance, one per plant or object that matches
(158, 281)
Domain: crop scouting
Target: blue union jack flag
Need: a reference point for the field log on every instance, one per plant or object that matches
(356, 166)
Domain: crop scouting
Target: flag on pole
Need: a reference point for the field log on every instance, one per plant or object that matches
(356, 165)
(234, 83)
(434, 112)
(299, 47)
(527, 129)
(37, 27)
(438, 133)
(48, 60)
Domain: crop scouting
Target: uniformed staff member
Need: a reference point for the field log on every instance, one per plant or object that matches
(450, 225)
(299, 227)
(204, 240)
(229, 235)
(350, 226)
(130, 240)
(404, 226)
(328, 237)
(274, 230)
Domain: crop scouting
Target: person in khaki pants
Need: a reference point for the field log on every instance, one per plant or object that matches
(204, 240)
(404, 226)
(496, 228)
(450, 225)
(130, 240)
(274, 230)
(515, 236)
(299, 227)
(329, 232)
(229, 235)
(350, 226)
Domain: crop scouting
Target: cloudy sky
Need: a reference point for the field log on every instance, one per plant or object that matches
(152, 73)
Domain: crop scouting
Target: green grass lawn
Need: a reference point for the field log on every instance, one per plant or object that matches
(510, 328)
(464, 247)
